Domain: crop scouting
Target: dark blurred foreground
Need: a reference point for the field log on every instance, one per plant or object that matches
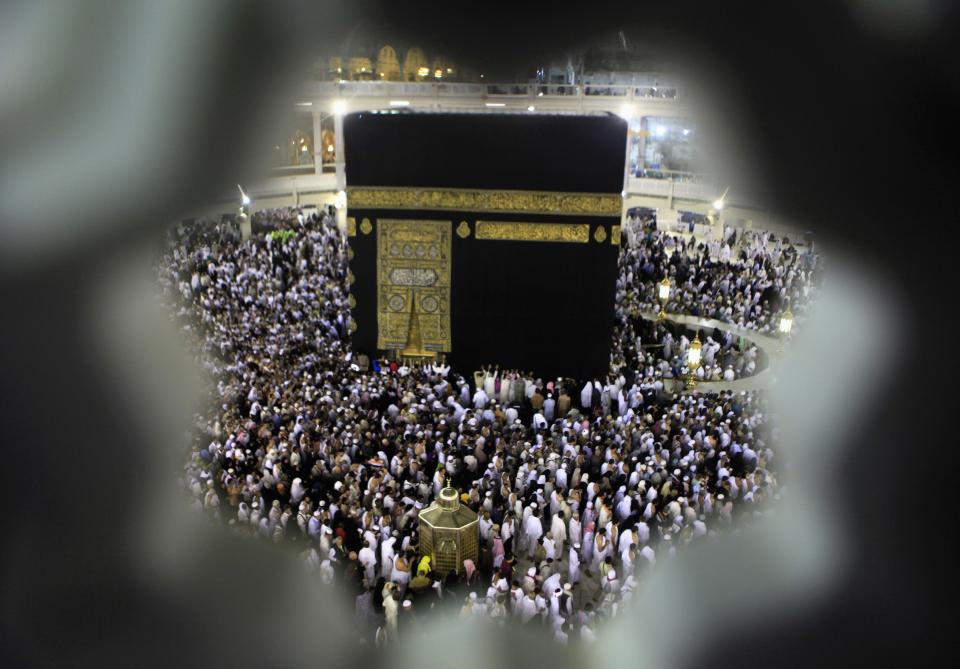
(114, 117)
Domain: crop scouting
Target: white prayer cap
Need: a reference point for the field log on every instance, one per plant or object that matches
(576, 546)
(407, 604)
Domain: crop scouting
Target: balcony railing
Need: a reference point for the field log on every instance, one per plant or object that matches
(439, 89)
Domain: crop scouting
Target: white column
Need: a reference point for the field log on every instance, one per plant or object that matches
(642, 144)
(317, 144)
(626, 163)
(338, 148)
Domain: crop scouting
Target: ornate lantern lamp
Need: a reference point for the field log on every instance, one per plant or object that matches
(786, 325)
(693, 361)
(663, 293)
(243, 215)
(449, 532)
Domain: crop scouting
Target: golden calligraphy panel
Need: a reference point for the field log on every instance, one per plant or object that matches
(539, 202)
(413, 266)
(533, 232)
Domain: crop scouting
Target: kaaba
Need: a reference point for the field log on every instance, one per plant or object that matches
(492, 238)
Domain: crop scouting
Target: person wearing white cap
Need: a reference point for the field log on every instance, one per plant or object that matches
(533, 530)
(480, 399)
(589, 514)
(549, 407)
(611, 583)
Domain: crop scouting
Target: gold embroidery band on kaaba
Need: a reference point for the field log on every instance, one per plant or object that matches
(413, 277)
(578, 233)
(500, 201)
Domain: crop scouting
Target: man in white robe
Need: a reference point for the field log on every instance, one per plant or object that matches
(368, 558)
(558, 528)
(533, 529)
(387, 555)
(573, 564)
(586, 395)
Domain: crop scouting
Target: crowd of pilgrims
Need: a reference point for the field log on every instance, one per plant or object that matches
(749, 284)
(580, 486)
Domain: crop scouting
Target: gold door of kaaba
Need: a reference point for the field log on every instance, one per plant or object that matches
(413, 267)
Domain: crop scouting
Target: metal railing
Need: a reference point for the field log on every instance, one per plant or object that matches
(440, 89)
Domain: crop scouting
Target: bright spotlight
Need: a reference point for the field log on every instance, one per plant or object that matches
(339, 107)
(660, 130)
(686, 131)
(718, 205)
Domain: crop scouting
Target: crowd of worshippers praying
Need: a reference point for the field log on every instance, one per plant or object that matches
(580, 487)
